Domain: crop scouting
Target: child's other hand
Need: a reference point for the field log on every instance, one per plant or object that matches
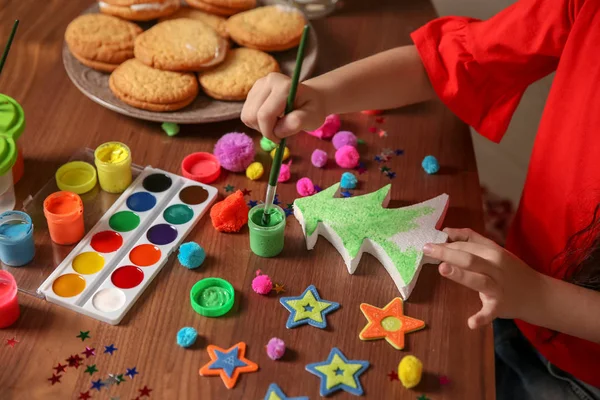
(265, 106)
(506, 285)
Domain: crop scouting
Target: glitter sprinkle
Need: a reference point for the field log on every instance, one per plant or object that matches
(90, 369)
(144, 391)
(97, 384)
(110, 349)
(84, 395)
(252, 203)
(131, 372)
(11, 342)
(84, 335)
(89, 352)
(346, 193)
(393, 376)
(229, 188)
(60, 368)
(246, 192)
(444, 380)
(279, 288)
(55, 379)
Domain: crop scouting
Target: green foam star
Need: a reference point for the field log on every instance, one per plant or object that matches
(84, 335)
(90, 369)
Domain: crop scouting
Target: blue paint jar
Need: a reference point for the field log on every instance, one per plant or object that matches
(17, 247)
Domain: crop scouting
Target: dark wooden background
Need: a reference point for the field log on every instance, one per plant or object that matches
(60, 120)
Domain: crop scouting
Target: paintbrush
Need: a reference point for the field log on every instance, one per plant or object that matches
(276, 166)
(8, 44)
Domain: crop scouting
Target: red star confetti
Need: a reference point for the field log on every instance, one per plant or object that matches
(60, 368)
(444, 380)
(144, 391)
(382, 133)
(11, 342)
(373, 129)
(246, 192)
(393, 376)
(74, 361)
(89, 352)
(380, 120)
(84, 395)
(55, 379)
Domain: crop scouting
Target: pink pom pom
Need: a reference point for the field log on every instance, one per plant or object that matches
(329, 128)
(347, 157)
(235, 151)
(305, 187)
(344, 138)
(262, 284)
(318, 158)
(275, 348)
(284, 173)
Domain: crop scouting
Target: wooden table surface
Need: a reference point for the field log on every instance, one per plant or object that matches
(60, 120)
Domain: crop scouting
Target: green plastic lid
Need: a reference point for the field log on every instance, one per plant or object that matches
(212, 297)
(12, 118)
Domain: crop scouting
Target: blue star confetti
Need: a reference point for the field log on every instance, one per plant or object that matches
(97, 384)
(391, 174)
(346, 193)
(276, 200)
(275, 392)
(339, 373)
(378, 159)
(110, 349)
(131, 372)
(288, 212)
(252, 203)
(399, 152)
(317, 189)
(308, 308)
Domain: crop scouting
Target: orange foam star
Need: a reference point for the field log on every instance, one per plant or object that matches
(388, 323)
(228, 381)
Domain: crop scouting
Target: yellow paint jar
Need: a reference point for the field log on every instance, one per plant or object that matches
(113, 161)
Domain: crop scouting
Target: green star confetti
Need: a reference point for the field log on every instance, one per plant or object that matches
(84, 335)
(170, 128)
(91, 369)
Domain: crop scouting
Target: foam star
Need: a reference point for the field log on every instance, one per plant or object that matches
(275, 393)
(388, 323)
(229, 188)
(84, 395)
(11, 342)
(60, 368)
(110, 349)
(339, 373)
(279, 288)
(144, 391)
(90, 369)
(97, 384)
(89, 352)
(131, 372)
(393, 376)
(55, 379)
(228, 363)
(84, 335)
(308, 308)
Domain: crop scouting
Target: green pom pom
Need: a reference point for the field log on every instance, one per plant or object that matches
(170, 128)
(267, 145)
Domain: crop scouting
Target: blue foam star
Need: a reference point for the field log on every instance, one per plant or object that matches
(276, 390)
(341, 372)
(288, 211)
(98, 384)
(131, 372)
(308, 308)
(346, 193)
(252, 203)
(228, 362)
(110, 349)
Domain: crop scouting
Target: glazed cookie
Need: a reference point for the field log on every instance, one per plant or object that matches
(139, 10)
(213, 9)
(151, 89)
(180, 45)
(101, 41)
(271, 28)
(214, 21)
(233, 79)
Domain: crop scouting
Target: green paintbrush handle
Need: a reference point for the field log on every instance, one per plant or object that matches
(8, 44)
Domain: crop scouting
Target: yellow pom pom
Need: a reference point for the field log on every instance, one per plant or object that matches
(255, 171)
(410, 370)
(286, 153)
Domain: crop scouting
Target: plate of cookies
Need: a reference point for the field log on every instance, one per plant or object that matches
(193, 62)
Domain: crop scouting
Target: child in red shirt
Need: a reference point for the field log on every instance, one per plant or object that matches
(548, 278)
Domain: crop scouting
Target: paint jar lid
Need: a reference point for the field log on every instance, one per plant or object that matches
(212, 297)
(8, 154)
(201, 167)
(12, 118)
(76, 176)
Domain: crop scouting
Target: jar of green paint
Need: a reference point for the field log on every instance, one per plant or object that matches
(266, 240)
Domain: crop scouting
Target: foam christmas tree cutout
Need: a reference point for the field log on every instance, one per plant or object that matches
(362, 224)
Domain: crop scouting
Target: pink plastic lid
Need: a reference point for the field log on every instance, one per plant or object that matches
(201, 167)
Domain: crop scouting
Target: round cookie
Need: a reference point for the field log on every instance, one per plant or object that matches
(180, 45)
(233, 79)
(212, 9)
(139, 10)
(241, 5)
(151, 89)
(101, 41)
(270, 28)
(216, 22)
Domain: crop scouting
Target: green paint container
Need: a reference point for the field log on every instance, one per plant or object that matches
(212, 297)
(266, 241)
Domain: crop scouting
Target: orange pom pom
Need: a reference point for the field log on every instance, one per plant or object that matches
(231, 214)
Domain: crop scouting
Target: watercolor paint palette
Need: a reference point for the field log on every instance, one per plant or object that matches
(109, 269)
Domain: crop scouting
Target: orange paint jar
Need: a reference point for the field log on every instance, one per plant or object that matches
(64, 214)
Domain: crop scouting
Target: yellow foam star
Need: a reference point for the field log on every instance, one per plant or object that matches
(308, 307)
(339, 372)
